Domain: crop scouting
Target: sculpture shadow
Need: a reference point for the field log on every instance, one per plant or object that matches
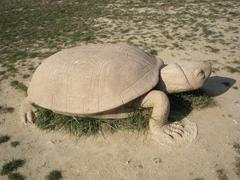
(179, 107)
(183, 103)
(218, 85)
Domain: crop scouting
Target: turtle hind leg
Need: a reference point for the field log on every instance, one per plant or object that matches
(27, 111)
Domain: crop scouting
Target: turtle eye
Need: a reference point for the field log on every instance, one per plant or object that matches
(201, 74)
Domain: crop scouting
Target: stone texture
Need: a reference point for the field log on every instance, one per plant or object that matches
(100, 80)
(93, 78)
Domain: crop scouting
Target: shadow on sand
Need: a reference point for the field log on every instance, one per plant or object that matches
(183, 103)
(218, 85)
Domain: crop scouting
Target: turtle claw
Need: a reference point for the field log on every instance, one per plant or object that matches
(177, 126)
(29, 117)
(27, 112)
(174, 130)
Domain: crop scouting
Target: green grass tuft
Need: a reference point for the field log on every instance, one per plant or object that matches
(236, 146)
(26, 76)
(15, 176)
(198, 178)
(221, 174)
(232, 69)
(181, 105)
(153, 52)
(54, 175)
(212, 49)
(237, 166)
(13, 165)
(46, 119)
(19, 85)
(4, 139)
(198, 99)
(14, 143)
(4, 109)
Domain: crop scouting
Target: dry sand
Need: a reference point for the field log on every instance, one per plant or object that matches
(135, 156)
(129, 155)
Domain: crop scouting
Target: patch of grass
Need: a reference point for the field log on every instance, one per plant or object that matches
(86, 37)
(206, 32)
(10, 70)
(125, 30)
(181, 105)
(237, 166)
(15, 143)
(4, 77)
(232, 69)
(3, 72)
(236, 61)
(11, 166)
(18, 54)
(26, 76)
(15, 176)
(236, 146)
(221, 174)
(198, 178)
(44, 24)
(167, 35)
(31, 68)
(153, 52)
(19, 85)
(214, 69)
(4, 138)
(5, 109)
(54, 175)
(46, 119)
(176, 45)
(59, 24)
(212, 49)
(198, 99)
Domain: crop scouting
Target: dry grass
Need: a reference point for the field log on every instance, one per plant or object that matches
(11, 166)
(182, 104)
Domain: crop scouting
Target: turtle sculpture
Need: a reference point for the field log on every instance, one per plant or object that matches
(100, 81)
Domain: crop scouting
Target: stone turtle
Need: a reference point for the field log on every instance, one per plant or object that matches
(103, 81)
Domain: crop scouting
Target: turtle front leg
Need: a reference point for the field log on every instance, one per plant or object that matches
(158, 100)
(27, 111)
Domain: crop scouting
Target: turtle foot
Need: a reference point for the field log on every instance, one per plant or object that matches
(175, 133)
(170, 131)
(27, 112)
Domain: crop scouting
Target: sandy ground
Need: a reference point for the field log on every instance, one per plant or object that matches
(129, 155)
(135, 156)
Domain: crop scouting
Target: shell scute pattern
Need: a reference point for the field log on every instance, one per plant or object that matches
(93, 78)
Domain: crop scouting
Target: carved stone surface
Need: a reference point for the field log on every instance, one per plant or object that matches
(94, 78)
(98, 80)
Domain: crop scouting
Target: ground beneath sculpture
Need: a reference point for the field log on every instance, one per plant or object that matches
(173, 30)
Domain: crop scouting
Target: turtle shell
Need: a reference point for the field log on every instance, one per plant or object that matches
(93, 78)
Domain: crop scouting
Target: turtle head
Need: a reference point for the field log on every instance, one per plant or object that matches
(184, 77)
